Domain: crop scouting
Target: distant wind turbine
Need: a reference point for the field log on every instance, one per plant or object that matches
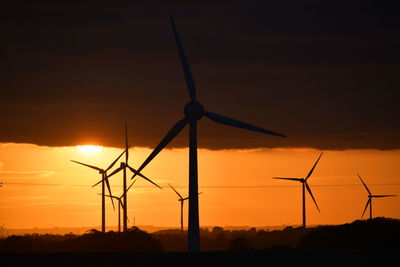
(182, 200)
(304, 186)
(103, 181)
(370, 197)
(124, 166)
(194, 111)
(121, 205)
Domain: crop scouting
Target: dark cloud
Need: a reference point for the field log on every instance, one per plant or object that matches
(325, 73)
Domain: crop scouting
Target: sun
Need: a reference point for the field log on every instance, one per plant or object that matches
(89, 149)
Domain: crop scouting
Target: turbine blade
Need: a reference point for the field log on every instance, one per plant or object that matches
(134, 181)
(383, 195)
(312, 169)
(176, 192)
(97, 183)
(87, 165)
(108, 196)
(115, 172)
(141, 175)
(366, 206)
(164, 142)
(108, 176)
(291, 179)
(309, 191)
(186, 198)
(126, 191)
(239, 124)
(185, 64)
(115, 161)
(135, 172)
(369, 192)
(147, 179)
(109, 191)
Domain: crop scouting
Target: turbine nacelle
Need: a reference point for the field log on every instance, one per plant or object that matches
(194, 110)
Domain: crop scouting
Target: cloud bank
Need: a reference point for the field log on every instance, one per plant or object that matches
(324, 74)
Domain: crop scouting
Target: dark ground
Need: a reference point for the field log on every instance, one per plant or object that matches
(283, 257)
(374, 242)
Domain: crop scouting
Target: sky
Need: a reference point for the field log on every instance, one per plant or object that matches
(322, 73)
(43, 188)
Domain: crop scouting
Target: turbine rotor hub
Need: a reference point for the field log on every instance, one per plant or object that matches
(194, 110)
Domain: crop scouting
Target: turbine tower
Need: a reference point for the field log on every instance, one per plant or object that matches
(103, 181)
(193, 112)
(303, 181)
(370, 197)
(125, 221)
(182, 200)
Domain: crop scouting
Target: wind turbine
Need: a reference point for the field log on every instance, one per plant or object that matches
(104, 180)
(124, 166)
(370, 196)
(303, 181)
(182, 200)
(121, 204)
(193, 112)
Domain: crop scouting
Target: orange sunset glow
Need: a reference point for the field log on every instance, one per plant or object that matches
(48, 190)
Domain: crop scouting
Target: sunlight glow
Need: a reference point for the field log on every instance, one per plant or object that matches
(89, 149)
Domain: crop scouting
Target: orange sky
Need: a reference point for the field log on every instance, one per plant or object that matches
(237, 186)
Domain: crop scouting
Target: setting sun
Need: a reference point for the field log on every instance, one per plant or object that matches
(89, 149)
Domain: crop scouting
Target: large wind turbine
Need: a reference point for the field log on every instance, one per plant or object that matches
(104, 180)
(194, 111)
(125, 221)
(303, 181)
(182, 200)
(121, 205)
(370, 196)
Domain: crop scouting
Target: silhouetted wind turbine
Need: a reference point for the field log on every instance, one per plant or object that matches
(370, 196)
(104, 180)
(194, 111)
(124, 166)
(121, 205)
(304, 185)
(182, 200)
(124, 177)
